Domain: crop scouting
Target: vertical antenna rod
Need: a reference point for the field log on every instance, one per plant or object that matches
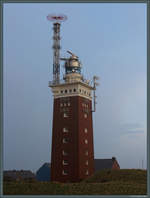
(94, 94)
(56, 44)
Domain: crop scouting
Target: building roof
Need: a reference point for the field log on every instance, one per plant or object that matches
(24, 174)
(103, 164)
(46, 165)
(43, 173)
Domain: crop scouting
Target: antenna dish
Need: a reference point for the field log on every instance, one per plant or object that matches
(72, 54)
(57, 18)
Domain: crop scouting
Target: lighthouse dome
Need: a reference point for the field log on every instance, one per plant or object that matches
(72, 64)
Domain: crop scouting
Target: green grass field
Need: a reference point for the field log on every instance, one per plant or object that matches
(106, 182)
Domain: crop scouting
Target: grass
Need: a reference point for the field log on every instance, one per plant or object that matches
(106, 182)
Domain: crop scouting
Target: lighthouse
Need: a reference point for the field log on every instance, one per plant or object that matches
(72, 151)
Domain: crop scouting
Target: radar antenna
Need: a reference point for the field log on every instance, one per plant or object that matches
(56, 19)
(72, 54)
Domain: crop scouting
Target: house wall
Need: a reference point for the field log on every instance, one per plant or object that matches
(115, 165)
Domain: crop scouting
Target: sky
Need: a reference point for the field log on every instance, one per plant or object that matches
(110, 41)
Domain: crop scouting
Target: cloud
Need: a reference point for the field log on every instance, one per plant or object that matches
(132, 128)
(136, 130)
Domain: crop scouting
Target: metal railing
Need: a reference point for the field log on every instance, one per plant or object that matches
(85, 81)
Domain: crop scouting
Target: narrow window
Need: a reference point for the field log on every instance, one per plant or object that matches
(74, 90)
(64, 153)
(87, 172)
(86, 153)
(68, 103)
(86, 141)
(65, 140)
(64, 104)
(65, 172)
(70, 90)
(85, 115)
(65, 162)
(65, 130)
(61, 91)
(66, 115)
(87, 162)
(85, 130)
(65, 90)
(61, 104)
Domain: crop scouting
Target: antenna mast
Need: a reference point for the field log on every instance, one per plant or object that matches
(94, 92)
(57, 19)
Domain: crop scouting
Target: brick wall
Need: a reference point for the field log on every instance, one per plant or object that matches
(79, 141)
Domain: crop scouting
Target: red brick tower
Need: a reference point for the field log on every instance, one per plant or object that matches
(72, 155)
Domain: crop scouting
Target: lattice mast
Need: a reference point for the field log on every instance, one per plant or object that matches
(56, 44)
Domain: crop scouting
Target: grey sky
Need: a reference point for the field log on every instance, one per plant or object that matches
(110, 40)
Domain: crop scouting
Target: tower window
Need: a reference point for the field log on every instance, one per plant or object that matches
(66, 115)
(74, 90)
(65, 90)
(65, 162)
(65, 140)
(86, 141)
(64, 153)
(87, 172)
(86, 153)
(65, 172)
(85, 115)
(85, 130)
(87, 162)
(61, 91)
(65, 130)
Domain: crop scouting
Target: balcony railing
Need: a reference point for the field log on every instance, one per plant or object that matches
(53, 83)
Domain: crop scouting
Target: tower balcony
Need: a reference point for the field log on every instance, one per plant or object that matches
(54, 83)
(70, 81)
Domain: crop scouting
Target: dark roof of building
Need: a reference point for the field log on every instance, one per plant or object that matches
(16, 173)
(46, 164)
(43, 173)
(103, 164)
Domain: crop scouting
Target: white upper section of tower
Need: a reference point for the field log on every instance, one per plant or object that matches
(73, 77)
(73, 84)
(72, 89)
